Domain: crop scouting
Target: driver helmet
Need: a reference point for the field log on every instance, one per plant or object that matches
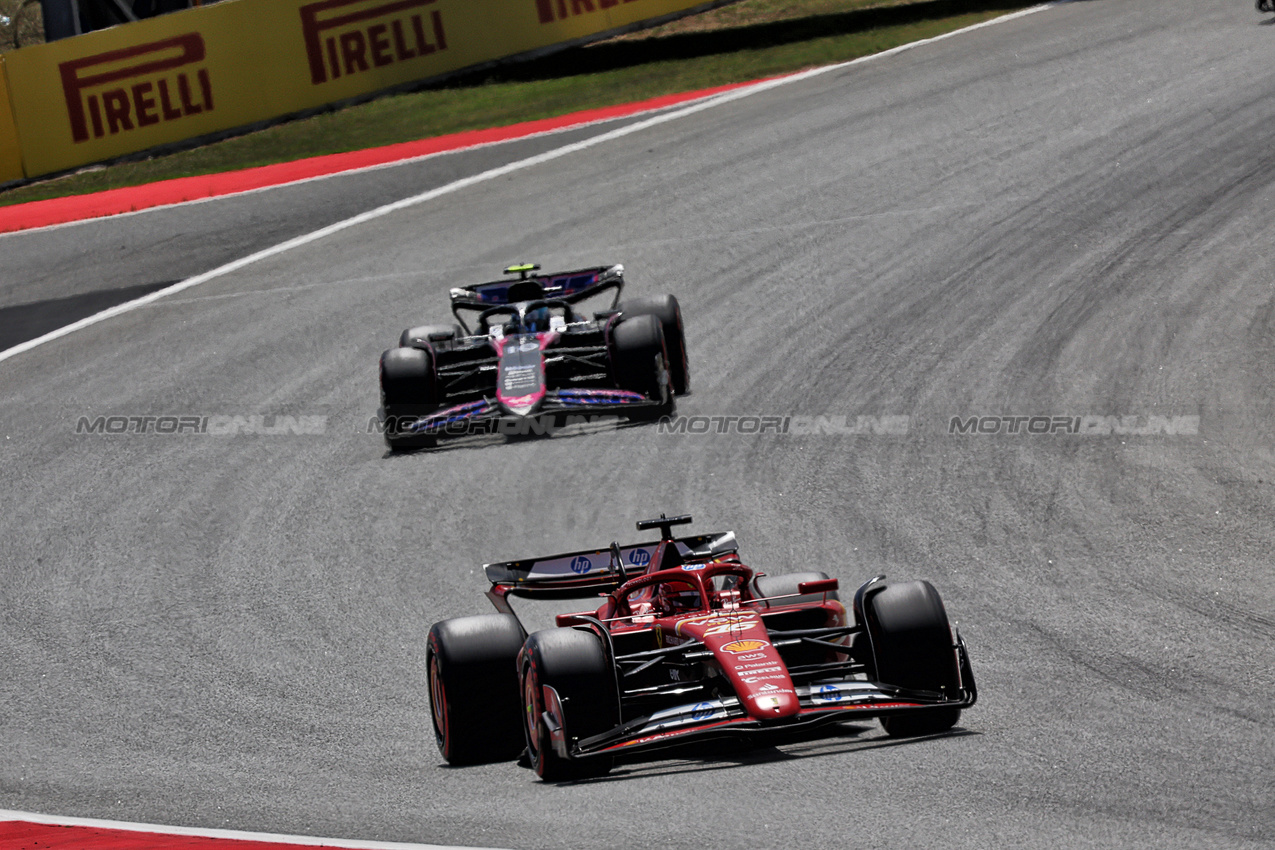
(537, 320)
(677, 597)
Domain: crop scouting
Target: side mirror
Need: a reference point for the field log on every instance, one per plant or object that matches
(823, 585)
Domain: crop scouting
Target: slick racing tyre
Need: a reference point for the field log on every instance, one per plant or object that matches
(669, 313)
(473, 688)
(913, 648)
(422, 336)
(408, 390)
(574, 666)
(639, 362)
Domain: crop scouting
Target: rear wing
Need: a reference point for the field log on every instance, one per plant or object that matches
(591, 571)
(569, 286)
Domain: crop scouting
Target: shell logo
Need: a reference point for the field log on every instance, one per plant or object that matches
(738, 646)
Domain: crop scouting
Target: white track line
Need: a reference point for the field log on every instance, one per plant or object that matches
(232, 834)
(548, 156)
(360, 169)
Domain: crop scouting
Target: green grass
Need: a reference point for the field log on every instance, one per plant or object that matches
(744, 41)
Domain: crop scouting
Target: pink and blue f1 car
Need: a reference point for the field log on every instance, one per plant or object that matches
(533, 360)
(686, 643)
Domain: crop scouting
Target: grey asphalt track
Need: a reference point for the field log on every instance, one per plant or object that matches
(1063, 215)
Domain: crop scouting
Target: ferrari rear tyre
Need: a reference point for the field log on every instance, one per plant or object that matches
(473, 688)
(640, 363)
(408, 390)
(913, 648)
(669, 313)
(785, 584)
(572, 666)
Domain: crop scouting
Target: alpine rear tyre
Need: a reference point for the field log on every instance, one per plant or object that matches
(422, 336)
(640, 363)
(669, 314)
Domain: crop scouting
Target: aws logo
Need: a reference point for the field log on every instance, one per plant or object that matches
(136, 87)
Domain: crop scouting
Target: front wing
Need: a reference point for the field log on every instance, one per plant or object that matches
(821, 703)
(485, 415)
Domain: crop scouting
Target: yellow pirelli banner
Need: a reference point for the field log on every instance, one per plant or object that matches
(10, 154)
(240, 62)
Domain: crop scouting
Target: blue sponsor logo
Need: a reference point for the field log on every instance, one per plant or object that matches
(702, 711)
(693, 568)
(580, 564)
(831, 693)
(639, 557)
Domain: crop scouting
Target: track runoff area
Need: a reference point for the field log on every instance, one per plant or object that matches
(39, 214)
(22, 830)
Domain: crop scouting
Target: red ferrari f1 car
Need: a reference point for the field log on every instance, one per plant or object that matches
(688, 643)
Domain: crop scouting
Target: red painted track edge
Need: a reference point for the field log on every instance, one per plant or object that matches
(23, 831)
(23, 835)
(35, 214)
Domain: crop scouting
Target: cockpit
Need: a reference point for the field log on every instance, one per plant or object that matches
(687, 589)
(525, 318)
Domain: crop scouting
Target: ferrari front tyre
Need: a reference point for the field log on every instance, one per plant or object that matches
(913, 648)
(669, 314)
(473, 688)
(568, 684)
(408, 391)
(639, 362)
